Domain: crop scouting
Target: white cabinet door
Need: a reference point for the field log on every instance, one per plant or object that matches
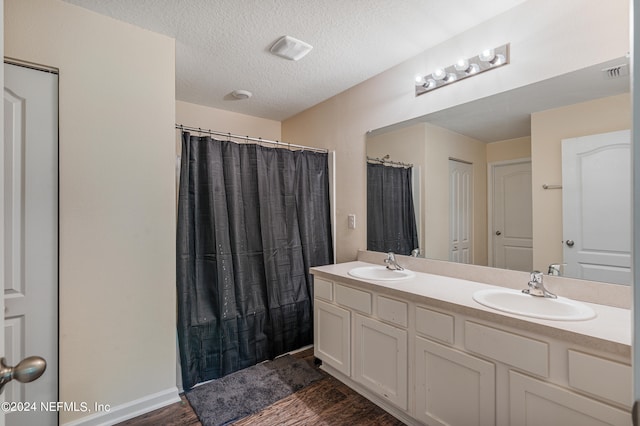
(452, 387)
(537, 403)
(332, 336)
(380, 359)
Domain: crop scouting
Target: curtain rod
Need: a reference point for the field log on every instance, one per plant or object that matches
(385, 160)
(229, 135)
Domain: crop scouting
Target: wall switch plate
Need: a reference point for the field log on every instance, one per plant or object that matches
(352, 221)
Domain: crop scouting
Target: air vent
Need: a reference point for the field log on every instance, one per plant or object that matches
(616, 72)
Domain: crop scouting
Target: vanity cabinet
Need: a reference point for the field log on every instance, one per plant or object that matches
(433, 364)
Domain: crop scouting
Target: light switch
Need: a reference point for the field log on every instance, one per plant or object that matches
(352, 221)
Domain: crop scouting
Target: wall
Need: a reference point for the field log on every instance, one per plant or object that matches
(548, 128)
(117, 200)
(580, 32)
(193, 115)
(510, 149)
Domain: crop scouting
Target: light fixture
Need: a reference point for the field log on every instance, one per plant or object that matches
(290, 48)
(241, 94)
(463, 68)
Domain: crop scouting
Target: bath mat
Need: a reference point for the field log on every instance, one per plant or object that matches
(248, 391)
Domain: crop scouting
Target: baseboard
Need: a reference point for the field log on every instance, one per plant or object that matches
(129, 410)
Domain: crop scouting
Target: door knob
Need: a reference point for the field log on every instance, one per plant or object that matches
(27, 370)
(570, 243)
(498, 232)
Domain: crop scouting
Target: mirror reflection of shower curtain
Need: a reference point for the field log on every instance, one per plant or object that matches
(251, 222)
(391, 220)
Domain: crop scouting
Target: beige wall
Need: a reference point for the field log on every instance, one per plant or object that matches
(193, 115)
(541, 33)
(511, 149)
(117, 198)
(548, 128)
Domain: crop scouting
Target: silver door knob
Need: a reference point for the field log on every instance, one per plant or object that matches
(498, 232)
(570, 243)
(27, 370)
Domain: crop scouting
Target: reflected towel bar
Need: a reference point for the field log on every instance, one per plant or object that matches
(545, 186)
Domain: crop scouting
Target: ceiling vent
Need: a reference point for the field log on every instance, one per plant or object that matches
(616, 72)
(290, 48)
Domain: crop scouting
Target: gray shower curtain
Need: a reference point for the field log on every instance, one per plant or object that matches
(391, 220)
(251, 222)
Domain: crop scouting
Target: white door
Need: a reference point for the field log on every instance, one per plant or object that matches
(596, 207)
(511, 228)
(30, 170)
(460, 211)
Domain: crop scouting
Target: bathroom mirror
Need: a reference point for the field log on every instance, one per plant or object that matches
(469, 155)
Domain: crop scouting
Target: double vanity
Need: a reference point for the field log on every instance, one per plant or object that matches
(438, 350)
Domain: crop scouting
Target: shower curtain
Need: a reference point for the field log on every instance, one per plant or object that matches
(391, 220)
(251, 222)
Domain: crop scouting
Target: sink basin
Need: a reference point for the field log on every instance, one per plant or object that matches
(380, 273)
(516, 302)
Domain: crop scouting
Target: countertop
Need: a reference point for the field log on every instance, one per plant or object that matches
(610, 330)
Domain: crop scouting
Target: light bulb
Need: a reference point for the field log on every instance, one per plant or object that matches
(487, 55)
(462, 65)
(420, 81)
(430, 84)
(473, 68)
(439, 74)
(498, 60)
(451, 77)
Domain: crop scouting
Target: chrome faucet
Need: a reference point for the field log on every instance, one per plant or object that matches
(391, 262)
(536, 288)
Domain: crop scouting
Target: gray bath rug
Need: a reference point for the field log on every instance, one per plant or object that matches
(248, 391)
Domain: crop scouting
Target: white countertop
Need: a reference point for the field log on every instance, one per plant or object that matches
(610, 326)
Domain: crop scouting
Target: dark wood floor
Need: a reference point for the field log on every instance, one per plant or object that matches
(324, 402)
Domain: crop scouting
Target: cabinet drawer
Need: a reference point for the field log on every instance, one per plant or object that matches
(521, 352)
(435, 324)
(600, 377)
(322, 289)
(393, 311)
(354, 299)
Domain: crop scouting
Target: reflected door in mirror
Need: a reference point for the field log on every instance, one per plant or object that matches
(460, 196)
(596, 209)
(511, 216)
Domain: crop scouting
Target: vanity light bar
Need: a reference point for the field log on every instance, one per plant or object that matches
(487, 60)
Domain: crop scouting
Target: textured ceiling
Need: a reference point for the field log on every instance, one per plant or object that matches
(223, 45)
